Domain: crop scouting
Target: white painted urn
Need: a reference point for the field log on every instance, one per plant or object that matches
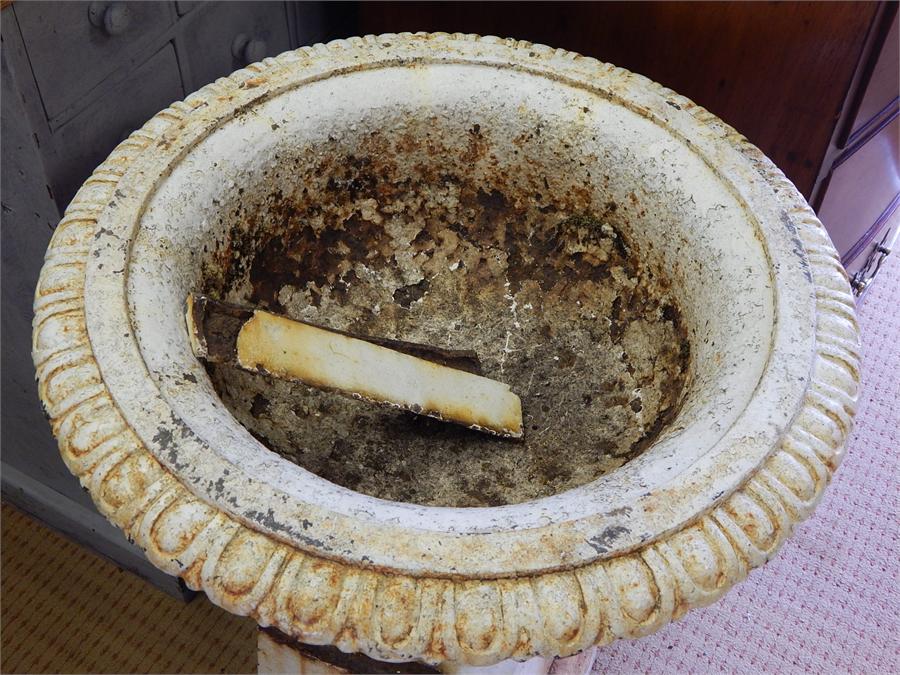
(665, 303)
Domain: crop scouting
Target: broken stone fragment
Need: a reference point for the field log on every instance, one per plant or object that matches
(440, 385)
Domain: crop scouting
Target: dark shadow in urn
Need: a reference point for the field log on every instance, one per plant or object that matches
(550, 290)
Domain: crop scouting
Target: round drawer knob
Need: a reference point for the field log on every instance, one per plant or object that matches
(247, 50)
(113, 17)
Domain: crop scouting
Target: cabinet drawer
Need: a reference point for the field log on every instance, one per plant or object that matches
(74, 46)
(864, 268)
(861, 187)
(220, 37)
(882, 88)
(85, 141)
(185, 6)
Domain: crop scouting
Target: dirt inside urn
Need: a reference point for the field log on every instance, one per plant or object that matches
(415, 237)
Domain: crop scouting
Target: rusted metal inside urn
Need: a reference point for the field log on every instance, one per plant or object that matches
(416, 231)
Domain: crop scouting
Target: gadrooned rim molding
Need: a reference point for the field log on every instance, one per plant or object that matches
(655, 494)
(392, 616)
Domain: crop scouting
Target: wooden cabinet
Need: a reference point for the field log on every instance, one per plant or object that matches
(863, 184)
(239, 33)
(857, 194)
(92, 134)
(879, 76)
(75, 46)
(91, 72)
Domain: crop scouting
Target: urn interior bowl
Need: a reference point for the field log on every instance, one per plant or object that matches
(663, 300)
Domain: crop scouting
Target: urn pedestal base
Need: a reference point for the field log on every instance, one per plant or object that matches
(277, 653)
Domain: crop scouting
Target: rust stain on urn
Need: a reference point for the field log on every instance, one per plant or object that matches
(420, 234)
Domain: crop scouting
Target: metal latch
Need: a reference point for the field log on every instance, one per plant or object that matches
(863, 278)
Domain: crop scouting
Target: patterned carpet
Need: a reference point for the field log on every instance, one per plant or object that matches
(828, 603)
(67, 611)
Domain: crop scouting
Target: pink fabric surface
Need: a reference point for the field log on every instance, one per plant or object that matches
(829, 601)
